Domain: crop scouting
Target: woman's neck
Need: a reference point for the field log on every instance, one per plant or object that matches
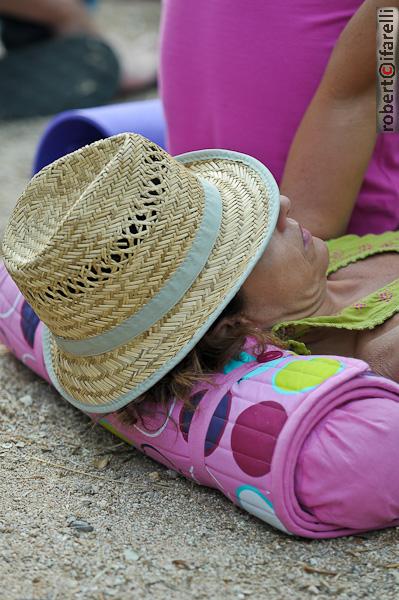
(338, 295)
(333, 297)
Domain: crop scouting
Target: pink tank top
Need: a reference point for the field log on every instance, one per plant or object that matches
(239, 75)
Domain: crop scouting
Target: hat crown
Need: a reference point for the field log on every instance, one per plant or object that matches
(98, 232)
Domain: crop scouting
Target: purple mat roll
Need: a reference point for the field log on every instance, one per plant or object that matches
(73, 129)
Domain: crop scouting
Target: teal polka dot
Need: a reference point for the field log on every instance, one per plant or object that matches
(234, 364)
(263, 368)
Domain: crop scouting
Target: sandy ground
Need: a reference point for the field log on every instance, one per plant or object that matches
(154, 534)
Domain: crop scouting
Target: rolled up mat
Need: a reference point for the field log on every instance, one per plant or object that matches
(309, 444)
(73, 129)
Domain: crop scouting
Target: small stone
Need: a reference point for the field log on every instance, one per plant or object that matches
(26, 400)
(313, 590)
(70, 518)
(87, 488)
(180, 564)
(101, 462)
(87, 501)
(130, 555)
(154, 476)
(80, 525)
(171, 474)
(7, 445)
(20, 444)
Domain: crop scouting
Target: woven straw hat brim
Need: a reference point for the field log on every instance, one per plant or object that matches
(108, 381)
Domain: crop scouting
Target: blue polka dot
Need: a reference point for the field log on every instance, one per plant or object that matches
(217, 424)
(29, 323)
(186, 414)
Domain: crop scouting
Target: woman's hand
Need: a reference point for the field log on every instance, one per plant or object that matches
(335, 140)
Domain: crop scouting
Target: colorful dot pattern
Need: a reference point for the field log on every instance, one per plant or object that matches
(243, 443)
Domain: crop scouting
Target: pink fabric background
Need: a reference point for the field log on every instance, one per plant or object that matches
(239, 74)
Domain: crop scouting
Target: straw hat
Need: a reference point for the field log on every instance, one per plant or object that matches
(128, 256)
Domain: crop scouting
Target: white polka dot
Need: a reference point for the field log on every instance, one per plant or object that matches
(254, 502)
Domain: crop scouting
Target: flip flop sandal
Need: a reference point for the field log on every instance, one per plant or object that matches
(56, 75)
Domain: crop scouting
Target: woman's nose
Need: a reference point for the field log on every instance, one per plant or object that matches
(285, 205)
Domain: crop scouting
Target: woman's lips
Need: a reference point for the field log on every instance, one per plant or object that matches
(306, 236)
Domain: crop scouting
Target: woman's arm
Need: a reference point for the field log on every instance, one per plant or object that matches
(335, 140)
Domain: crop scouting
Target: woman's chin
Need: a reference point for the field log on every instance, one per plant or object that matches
(322, 253)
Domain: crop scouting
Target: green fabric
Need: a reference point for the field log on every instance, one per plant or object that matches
(366, 313)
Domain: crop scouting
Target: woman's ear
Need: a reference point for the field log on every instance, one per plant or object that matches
(230, 323)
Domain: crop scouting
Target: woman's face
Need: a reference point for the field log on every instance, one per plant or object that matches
(289, 280)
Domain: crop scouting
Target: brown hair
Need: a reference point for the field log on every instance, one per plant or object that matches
(209, 356)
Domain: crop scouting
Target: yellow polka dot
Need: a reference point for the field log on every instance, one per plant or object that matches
(300, 375)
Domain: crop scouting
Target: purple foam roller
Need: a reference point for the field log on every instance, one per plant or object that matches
(73, 129)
